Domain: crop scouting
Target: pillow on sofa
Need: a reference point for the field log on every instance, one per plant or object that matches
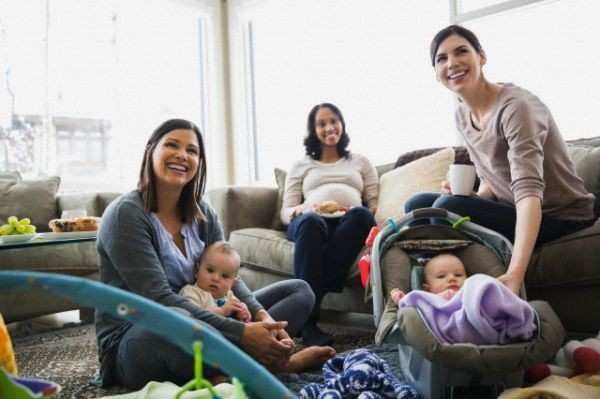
(587, 161)
(280, 176)
(35, 199)
(398, 185)
(461, 155)
(10, 176)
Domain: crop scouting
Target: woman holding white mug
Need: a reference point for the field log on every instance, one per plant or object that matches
(529, 190)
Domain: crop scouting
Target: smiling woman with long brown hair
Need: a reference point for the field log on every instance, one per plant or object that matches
(529, 190)
(149, 242)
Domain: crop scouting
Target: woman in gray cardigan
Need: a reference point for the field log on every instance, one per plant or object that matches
(148, 244)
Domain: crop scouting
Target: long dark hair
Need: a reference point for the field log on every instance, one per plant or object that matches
(189, 201)
(312, 144)
(449, 31)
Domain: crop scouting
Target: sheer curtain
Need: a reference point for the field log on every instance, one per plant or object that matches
(369, 59)
(90, 81)
(549, 48)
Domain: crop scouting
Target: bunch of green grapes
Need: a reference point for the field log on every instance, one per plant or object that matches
(16, 226)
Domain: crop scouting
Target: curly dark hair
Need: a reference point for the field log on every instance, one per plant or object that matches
(312, 144)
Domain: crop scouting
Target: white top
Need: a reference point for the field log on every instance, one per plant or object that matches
(350, 182)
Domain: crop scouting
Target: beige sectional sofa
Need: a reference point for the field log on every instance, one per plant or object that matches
(38, 201)
(566, 272)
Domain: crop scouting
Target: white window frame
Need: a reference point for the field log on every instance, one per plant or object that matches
(458, 17)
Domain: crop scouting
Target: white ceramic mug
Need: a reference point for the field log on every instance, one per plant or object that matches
(462, 179)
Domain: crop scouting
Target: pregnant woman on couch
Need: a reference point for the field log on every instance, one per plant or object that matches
(323, 208)
(529, 191)
(149, 242)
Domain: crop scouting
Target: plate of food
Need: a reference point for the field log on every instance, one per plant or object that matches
(330, 209)
(77, 224)
(17, 238)
(17, 231)
(333, 215)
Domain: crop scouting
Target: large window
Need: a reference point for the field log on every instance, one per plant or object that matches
(85, 82)
(550, 49)
(370, 59)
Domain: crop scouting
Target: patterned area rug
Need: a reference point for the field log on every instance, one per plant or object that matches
(68, 357)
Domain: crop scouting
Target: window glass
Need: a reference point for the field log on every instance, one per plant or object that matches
(555, 58)
(86, 82)
(370, 61)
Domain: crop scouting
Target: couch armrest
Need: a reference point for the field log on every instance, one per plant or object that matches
(93, 203)
(240, 207)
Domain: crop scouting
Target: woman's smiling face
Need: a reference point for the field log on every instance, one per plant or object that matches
(328, 127)
(175, 159)
(458, 64)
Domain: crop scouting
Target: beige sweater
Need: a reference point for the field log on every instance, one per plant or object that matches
(520, 153)
(349, 181)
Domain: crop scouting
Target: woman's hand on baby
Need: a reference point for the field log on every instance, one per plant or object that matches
(512, 281)
(259, 342)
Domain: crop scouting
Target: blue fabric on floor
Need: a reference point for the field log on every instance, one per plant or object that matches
(360, 373)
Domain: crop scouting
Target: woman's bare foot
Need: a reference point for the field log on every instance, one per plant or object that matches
(307, 358)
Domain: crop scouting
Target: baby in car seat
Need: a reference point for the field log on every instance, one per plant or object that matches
(445, 274)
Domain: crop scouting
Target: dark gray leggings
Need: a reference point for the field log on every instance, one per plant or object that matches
(143, 356)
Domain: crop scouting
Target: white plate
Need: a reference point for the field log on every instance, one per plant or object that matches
(337, 214)
(16, 238)
(63, 236)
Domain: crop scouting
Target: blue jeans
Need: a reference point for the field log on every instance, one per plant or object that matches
(325, 248)
(143, 356)
(494, 215)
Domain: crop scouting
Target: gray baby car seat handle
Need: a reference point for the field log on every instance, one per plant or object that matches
(428, 213)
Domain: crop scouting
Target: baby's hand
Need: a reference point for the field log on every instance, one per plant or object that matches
(233, 306)
(448, 294)
(445, 187)
(396, 294)
(243, 314)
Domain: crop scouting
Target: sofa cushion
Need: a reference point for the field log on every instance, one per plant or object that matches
(280, 176)
(270, 250)
(265, 248)
(398, 185)
(549, 264)
(35, 199)
(587, 166)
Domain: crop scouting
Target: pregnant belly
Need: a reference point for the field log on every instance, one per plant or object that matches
(344, 195)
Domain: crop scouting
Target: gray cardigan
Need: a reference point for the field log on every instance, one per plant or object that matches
(129, 259)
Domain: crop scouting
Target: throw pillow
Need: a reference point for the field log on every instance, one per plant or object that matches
(35, 199)
(10, 176)
(280, 176)
(422, 175)
(586, 160)
(461, 155)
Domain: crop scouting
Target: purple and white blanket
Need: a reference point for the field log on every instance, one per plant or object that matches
(484, 311)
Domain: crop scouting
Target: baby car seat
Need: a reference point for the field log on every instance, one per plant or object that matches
(435, 368)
